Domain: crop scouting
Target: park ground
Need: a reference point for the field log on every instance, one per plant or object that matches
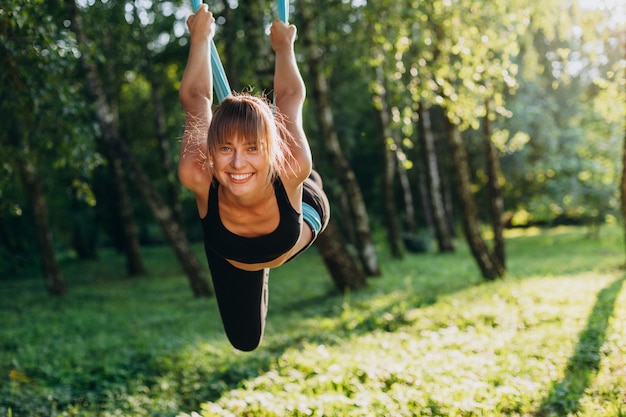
(428, 338)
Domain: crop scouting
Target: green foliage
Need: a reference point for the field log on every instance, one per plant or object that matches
(557, 83)
(426, 339)
(569, 167)
(44, 120)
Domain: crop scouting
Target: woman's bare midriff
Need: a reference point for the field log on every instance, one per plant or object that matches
(306, 234)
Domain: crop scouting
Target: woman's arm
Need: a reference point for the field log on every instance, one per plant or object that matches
(196, 95)
(290, 92)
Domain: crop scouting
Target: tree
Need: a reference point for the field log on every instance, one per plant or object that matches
(437, 208)
(465, 61)
(537, 87)
(53, 277)
(342, 168)
(429, 172)
(346, 273)
(489, 264)
(559, 145)
(153, 61)
(496, 205)
(34, 90)
(389, 148)
(130, 234)
(199, 284)
(386, 44)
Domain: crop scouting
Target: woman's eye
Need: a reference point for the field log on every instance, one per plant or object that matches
(252, 148)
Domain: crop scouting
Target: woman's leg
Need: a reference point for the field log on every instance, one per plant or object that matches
(314, 197)
(242, 301)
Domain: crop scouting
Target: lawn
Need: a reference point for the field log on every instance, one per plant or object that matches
(429, 338)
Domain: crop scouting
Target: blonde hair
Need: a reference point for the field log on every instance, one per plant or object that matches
(255, 120)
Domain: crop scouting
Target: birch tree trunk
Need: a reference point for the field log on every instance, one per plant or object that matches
(165, 150)
(132, 251)
(388, 147)
(344, 270)
(407, 194)
(422, 188)
(433, 182)
(53, 278)
(153, 73)
(496, 204)
(447, 193)
(172, 230)
(488, 264)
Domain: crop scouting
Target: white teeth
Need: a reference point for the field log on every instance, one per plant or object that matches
(240, 177)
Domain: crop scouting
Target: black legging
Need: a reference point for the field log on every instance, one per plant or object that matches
(242, 301)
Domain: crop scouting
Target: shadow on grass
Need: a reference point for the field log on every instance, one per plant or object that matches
(202, 369)
(565, 395)
(343, 316)
(164, 353)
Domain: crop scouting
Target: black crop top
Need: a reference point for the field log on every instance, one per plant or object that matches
(251, 250)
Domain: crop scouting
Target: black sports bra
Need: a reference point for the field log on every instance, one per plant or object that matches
(251, 250)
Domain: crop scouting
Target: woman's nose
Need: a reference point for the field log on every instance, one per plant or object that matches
(237, 160)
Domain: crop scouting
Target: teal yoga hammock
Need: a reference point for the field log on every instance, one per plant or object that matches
(220, 81)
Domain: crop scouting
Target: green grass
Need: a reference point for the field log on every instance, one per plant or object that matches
(427, 339)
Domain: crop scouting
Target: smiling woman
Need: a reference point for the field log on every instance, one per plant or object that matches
(249, 166)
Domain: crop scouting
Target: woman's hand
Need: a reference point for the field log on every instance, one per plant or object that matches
(282, 36)
(202, 23)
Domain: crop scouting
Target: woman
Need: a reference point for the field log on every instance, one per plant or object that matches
(249, 167)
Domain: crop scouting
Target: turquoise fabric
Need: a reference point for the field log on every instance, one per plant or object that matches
(311, 217)
(283, 10)
(220, 82)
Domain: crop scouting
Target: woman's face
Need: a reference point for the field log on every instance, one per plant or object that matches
(240, 166)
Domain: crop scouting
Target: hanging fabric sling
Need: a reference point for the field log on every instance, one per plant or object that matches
(220, 81)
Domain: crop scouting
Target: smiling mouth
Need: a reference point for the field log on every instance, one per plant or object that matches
(240, 177)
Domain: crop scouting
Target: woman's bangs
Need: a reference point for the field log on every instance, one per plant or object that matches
(254, 129)
(240, 120)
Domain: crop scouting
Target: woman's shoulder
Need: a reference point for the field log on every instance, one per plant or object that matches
(201, 189)
(292, 185)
